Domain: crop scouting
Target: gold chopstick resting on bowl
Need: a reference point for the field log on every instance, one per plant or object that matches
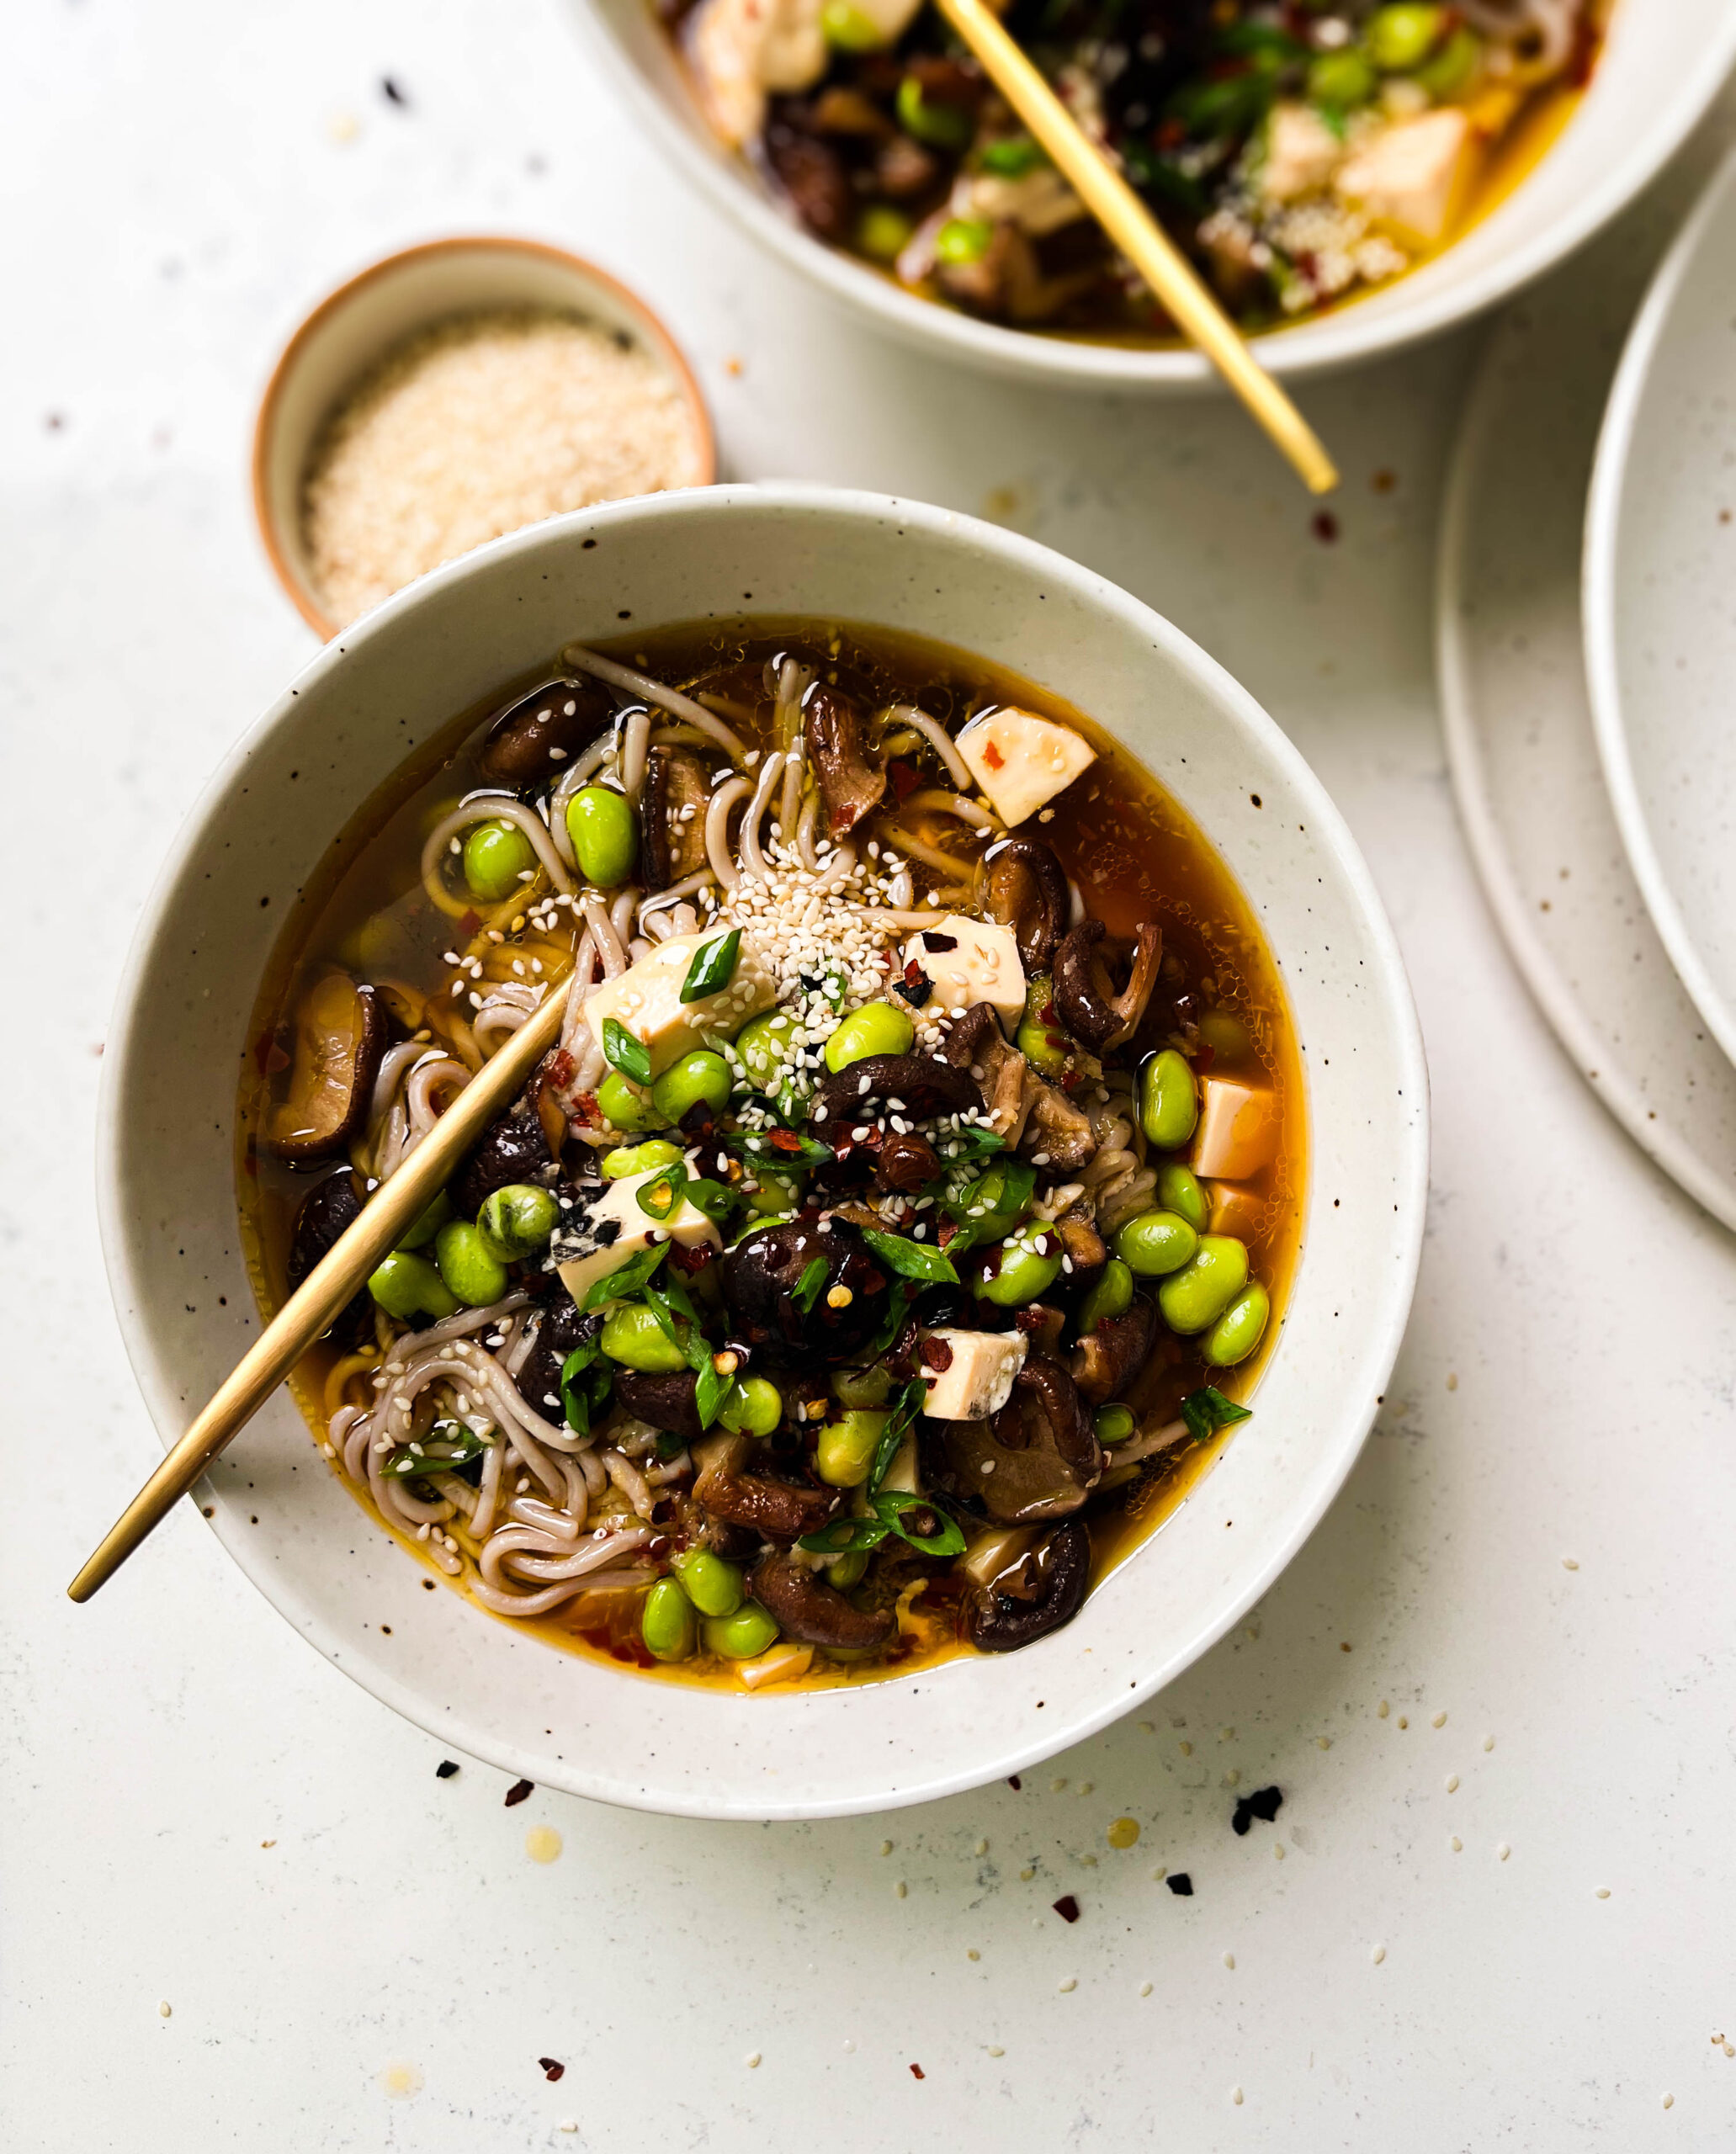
(1141, 238)
(311, 1308)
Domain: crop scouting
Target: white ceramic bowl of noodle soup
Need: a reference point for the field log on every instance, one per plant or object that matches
(1660, 68)
(167, 1157)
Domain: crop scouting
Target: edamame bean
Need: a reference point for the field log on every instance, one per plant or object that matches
(859, 1387)
(882, 232)
(1193, 1298)
(623, 1106)
(1341, 79)
(468, 1266)
(1452, 66)
(995, 1202)
(604, 832)
(941, 126)
(430, 1223)
(517, 1220)
(497, 857)
(1178, 1189)
(632, 1335)
(1040, 1039)
(1169, 1105)
(714, 1586)
(744, 1636)
(847, 29)
(846, 1448)
(876, 1028)
(752, 1406)
(1113, 1425)
(1156, 1243)
(667, 1623)
(1403, 35)
(1240, 1329)
(1227, 1035)
(764, 1046)
(1022, 1269)
(406, 1286)
(845, 1571)
(639, 1159)
(962, 240)
(1111, 1295)
(773, 1194)
(699, 1076)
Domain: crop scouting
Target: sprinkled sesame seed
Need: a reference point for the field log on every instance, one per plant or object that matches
(1439, 1721)
(1378, 1954)
(1069, 1984)
(1230, 1960)
(1503, 1851)
(1452, 1783)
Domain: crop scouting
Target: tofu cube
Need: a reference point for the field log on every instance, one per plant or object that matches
(646, 999)
(1411, 177)
(977, 1381)
(1020, 761)
(1300, 153)
(982, 965)
(618, 1208)
(1236, 1209)
(1238, 1131)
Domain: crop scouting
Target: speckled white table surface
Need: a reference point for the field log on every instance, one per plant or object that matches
(239, 1908)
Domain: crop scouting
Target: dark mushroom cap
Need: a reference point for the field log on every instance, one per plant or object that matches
(1037, 1592)
(1106, 1362)
(908, 1162)
(670, 849)
(844, 1099)
(534, 738)
(339, 1038)
(1090, 1008)
(1021, 885)
(813, 1612)
(563, 1326)
(1037, 1458)
(774, 1509)
(761, 1274)
(667, 1401)
(516, 1148)
(329, 1209)
(849, 785)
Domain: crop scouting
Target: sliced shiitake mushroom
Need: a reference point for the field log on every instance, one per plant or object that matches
(812, 1611)
(1090, 1007)
(1039, 1588)
(1023, 885)
(927, 1087)
(1107, 1361)
(533, 738)
(849, 785)
(329, 1209)
(339, 1038)
(671, 848)
(563, 1326)
(838, 1314)
(774, 1509)
(1037, 1458)
(516, 1148)
(667, 1400)
(1057, 1131)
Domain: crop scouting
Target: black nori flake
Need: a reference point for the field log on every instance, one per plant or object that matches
(1067, 1907)
(445, 1769)
(938, 943)
(1264, 1803)
(1181, 1885)
(518, 1790)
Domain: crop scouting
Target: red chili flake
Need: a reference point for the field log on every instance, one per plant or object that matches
(250, 1163)
(783, 1140)
(1015, 1783)
(688, 1261)
(918, 2072)
(1067, 1907)
(905, 779)
(518, 1790)
(1204, 1055)
(1326, 526)
(947, 1229)
(1072, 1080)
(993, 757)
(936, 1354)
(470, 923)
(586, 1112)
(559, 1070)
(658, 1547)
(552, 2067)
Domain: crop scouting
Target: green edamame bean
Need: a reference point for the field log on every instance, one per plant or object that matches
(845, 1571)
(1402, 36)
(1112, 1295)
(941, 126)
(1341, 79)
(497, 857)
(1113, 1425)
(773, 1194)
(406, 1286)
(847, 29)
(430, 1223)
(1193, 1298)
(882, 232)
(1156, 1243)
(1452, 66)
(624, 1106)
(1240, 1329)
(764, 1046)
(846, 1448)
(1179, 1189)
(633, 1336)
(962, 241)
(714, 1586)
(1227, 1035)
(468, 1266)
(876, 1028)
(1040, 1039)
(517, 1220)
(990, 1208)
(860, 1388)
(753, 1406)
(604, 832)
(639, 1159)
(1169, 1105)
(667, 1623)
(744, 1636)
(700, 1075)
(1022, 1270)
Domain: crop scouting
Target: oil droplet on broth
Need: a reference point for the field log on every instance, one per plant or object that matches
(1123, 1832)
(541, 1844)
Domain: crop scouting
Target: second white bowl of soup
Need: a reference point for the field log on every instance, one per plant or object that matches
(830, 1606)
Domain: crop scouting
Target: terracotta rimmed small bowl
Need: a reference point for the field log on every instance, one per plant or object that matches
(353, 328)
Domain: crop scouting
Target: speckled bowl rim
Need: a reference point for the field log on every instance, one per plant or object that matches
(301, 597)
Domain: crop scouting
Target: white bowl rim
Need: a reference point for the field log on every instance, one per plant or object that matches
(1611, 475)
(1333, 341)
(1356, 1416)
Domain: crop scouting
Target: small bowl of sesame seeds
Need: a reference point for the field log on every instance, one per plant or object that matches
(450, 394)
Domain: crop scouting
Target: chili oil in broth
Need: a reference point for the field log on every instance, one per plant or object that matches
(1130, 846)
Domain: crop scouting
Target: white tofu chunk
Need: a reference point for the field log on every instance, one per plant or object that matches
(1301, 155)
(1238, 1131)
(1411, 177)
(646, 999)
(619, 1207)
(739, 50)
(1020, 761)
(977, 1381)
(982, 966)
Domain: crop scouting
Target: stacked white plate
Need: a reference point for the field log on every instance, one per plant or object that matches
(1587, 659)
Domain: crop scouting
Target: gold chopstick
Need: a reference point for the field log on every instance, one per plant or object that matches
(385, 1218)
(1141, 238)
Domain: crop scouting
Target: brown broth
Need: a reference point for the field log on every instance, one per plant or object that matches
(1134, 851)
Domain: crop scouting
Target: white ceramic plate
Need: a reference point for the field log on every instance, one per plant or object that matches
(1660, 602)
(1518, 731)
(167, 1135)
(1662, 65)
